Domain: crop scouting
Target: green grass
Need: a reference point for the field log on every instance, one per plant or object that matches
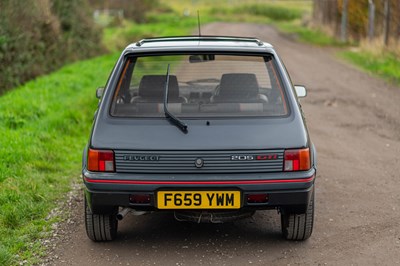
(166, 24)
(44, 126)
(306, 34)
(271, 11)
(386, 65)
(254, 12)
(206, 5)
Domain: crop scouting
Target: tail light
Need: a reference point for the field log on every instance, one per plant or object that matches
(101, 160)
(297, 160)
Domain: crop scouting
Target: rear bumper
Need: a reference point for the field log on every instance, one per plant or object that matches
(284, 190)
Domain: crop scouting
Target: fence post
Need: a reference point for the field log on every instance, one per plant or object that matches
(398, 22)
(371, 19)
(386, 25)
(316, 11)
(343, 28)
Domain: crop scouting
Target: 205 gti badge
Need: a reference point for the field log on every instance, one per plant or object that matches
(261, 157)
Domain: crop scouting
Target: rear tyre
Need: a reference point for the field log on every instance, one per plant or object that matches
(100, 227)
(298, 226)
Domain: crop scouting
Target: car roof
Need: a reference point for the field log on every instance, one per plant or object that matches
(200, 42)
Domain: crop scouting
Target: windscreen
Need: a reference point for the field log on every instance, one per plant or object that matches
(200, 85)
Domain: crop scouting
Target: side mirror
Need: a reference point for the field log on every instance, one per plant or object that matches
(300, 91)
(99, 92)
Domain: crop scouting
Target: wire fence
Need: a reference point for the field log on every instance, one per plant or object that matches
(360, 19)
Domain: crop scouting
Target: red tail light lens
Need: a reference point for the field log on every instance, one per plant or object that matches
(140, 198)
(297, 160)
(101, 160)
(257, 198)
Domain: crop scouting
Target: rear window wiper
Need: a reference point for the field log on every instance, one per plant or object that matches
(173, 119)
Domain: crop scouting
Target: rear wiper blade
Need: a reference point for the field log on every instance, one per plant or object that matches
(173, 119)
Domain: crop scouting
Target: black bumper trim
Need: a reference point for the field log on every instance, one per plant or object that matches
(101, 201)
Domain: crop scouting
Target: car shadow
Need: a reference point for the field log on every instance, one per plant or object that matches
(162, 231)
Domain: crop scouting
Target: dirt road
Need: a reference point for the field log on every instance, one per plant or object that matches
(354, 120)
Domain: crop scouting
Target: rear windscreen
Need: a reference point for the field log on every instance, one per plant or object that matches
(200, 85)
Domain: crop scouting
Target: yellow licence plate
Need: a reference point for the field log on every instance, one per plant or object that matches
(198, 199)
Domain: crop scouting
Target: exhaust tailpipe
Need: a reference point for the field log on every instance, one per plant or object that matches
(123, 213)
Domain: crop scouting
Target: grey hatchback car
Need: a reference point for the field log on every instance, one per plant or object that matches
(208, 128)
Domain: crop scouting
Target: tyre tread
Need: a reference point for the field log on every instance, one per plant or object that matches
(298, 226)
(100, 227)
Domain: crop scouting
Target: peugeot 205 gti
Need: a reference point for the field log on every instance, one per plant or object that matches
(208, 128)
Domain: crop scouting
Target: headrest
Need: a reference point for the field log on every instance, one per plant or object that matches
(153, 86)
(238, 85)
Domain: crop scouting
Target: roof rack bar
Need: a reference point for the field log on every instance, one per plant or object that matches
(199, 38)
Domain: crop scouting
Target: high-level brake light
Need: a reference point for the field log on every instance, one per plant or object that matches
(101, 160)
(297, 160)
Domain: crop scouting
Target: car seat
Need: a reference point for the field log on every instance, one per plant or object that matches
(152, 88)
(239, 87)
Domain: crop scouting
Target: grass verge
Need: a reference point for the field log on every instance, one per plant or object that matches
(385, 65)
(44, 126)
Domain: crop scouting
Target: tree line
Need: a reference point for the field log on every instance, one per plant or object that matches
(39, 36)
